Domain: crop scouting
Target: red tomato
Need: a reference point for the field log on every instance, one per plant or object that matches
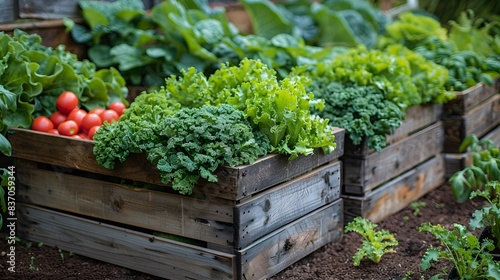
(118, 107)
(42, 123)
(66, 102)
(82, 135)
(96, 111)
(89, 121)
(92, 131)
(77, 115)
(77, 136)
(109, 116)
(57, 118)
(53, 131)
(68, 128)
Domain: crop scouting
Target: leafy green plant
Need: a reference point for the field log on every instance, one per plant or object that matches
(485, 167)
(416, 207)
(470, 257)
(376, 243)
(32, 265)
(488, 216)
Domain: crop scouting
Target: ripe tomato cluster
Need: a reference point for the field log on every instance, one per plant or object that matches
(70, 120)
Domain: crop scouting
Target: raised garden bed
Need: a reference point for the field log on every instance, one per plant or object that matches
(255, 221)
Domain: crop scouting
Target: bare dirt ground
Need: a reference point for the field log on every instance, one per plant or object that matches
(332, 261)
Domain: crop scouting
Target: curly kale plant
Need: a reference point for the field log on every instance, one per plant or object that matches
(278, 108)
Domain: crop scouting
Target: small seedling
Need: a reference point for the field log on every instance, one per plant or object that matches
(375, 243)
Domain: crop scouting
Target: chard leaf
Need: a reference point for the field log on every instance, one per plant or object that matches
(267, 19)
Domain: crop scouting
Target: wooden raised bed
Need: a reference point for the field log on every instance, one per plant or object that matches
(377, 184)
(474, 111)
(254, 222)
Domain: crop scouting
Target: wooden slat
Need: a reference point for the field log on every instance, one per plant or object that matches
(455, 162)
(417, 118)
(233, 183)
(363, 175)
(468, 99)
(206, 218)
(8, 10)
(396, 194)
(291, 243)
(287, 202)
(123, 247)
(479, 121)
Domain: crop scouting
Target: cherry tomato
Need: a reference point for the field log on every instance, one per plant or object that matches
(42, 123)
(57, 118)
(96, 111)
(109, 116)
(77, 115)
(92, 131)
(66, 102)
(89, 121)
(118, 107)
(53, 131)
(68, 128)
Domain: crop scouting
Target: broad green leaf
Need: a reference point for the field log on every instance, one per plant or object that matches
(94, 18)
(5, 146)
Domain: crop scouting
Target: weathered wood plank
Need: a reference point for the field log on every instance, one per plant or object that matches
(363, 175)
(8, 10)
(396, 194)
(478, 121)
(291, 243)
(417, 118)
(56, 9)
(468, 99)
(205, 218)
(287, 202)
(233, 182)
(124, 247)
(455, 162)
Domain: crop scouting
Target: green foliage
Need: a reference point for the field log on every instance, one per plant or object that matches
(488, 216)
(484, 168)
(376, 243)
(32, 76)
(470, 257)
(367, 91)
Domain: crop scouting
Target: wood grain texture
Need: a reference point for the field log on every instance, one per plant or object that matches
(417, 118)
(8, 10)
(175, 260)
(396, 194)
(478, 121)
(124, 247)
(291, 243)
(234, 183)
(214, 220)
(363, 175)
(457, 161)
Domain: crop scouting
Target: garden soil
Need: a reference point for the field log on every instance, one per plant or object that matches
(332, 261)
